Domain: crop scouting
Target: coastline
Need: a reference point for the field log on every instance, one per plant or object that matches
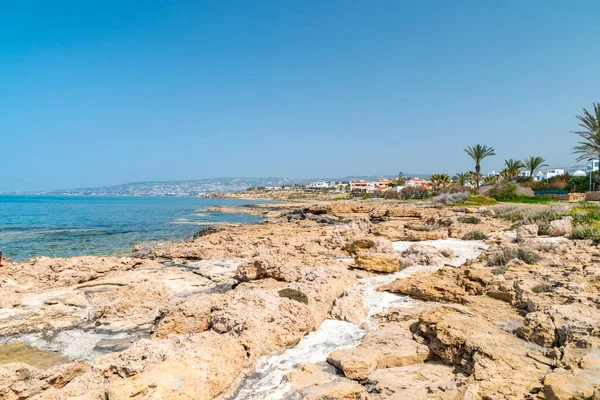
(364, 288)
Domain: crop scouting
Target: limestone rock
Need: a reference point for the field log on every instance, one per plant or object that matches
(387, 347)
(500, 363)
(377, 262)
(538, 328)
(421, 254)
(527, 231)
(350, 306)
(419, 381)
(561, 227)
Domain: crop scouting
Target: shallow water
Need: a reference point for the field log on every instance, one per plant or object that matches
(64, 226)
(21, 352)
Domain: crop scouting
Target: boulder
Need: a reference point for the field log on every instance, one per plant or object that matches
(422, 254)
(350, 306)
(389, 346)
(538, 328)
(377, 262)
(527, 231)
(561, 227)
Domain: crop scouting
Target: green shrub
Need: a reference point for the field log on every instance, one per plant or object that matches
(478, 200)
(583, 232)
(469, 220)
(503, 192)
(502, 257)
(500, 270)
(475, 235)
(542, 288)
(293, 294)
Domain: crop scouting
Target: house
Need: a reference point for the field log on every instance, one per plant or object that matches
(359, 186)
(383, 183)
(417, 182)
(592, 165)
(551, 173)
(318, 186)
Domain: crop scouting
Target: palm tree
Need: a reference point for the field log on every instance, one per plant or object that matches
(440, 180)
(532, 163)
(461, 178)
(512, 168)
(490, 180)
(478, 153)
(590, 146)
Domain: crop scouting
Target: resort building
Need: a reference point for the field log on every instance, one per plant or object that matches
(359, 186)
(592, 165)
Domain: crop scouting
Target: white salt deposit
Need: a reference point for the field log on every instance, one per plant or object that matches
(74, 344)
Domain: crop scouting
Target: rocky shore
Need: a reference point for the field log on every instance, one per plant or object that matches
(323, 300)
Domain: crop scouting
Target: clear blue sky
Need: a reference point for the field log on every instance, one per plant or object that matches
(106, 92)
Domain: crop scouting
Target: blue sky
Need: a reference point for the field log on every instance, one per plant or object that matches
(99, 93)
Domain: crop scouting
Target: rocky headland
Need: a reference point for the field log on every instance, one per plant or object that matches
(323, 300)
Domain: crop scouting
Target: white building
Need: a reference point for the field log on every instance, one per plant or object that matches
(594, 165)
(318, 185)
(551, 173)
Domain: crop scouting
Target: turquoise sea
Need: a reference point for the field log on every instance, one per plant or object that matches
(63, 226)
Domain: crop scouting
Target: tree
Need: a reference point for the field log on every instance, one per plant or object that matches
(478, 153)
(440, 180)
(589, 147)
(532, 163)
(475, 178)
(512, 168)
(401, 181)
(490, 180)
(461, 178)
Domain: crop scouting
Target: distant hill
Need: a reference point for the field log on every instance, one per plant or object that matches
(201, 186)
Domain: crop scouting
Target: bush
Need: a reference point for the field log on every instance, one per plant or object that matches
(293, 294)
(475, 235)
(469, 220)
(478, 200)
(583, 232)
(502, 257)
(502, 192)
(542, 288)
(451, 198)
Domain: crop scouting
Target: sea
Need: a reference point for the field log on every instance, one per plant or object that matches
(65, 226)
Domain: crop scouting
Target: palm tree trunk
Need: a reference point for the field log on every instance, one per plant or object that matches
(477, 169)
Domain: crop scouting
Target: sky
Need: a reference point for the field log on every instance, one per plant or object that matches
(94, 93)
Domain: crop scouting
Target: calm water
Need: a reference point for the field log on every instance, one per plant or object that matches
(62, 226)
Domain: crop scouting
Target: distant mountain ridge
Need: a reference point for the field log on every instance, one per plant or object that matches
(200, 186)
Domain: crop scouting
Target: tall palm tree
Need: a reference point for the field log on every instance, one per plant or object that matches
(512, 168)
(461, 178)
(590, 146)
(478, 153)
(440, 180)
(532, 163)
